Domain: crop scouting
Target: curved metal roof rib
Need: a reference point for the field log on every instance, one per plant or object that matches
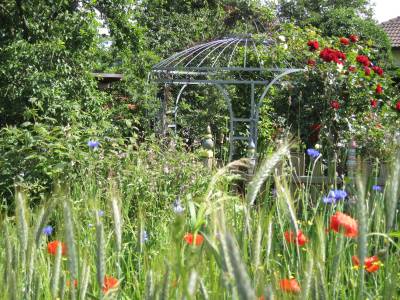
(216, 59)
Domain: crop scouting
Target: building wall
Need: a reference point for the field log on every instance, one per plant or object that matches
(396, 55)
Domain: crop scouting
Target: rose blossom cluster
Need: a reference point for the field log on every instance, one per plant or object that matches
(329, 55)
(337, 56)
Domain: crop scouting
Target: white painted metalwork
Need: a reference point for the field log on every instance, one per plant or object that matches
(221, 63)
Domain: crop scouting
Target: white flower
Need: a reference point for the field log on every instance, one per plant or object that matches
(339, 67)
(282, 38)
(285, 46)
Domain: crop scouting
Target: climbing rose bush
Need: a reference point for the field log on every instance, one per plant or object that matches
(344, 89)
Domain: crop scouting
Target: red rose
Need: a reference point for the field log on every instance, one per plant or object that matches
(374, 103)
(316, 127)
(329, 55)
(344, 41)
(335, 104)
(367, 71)
(311, 62)
(314, 136)
(353, 38)
(378, 70)
(352, 69)
(379, 89)
(363, 59)
(313, 45)
(398, 105)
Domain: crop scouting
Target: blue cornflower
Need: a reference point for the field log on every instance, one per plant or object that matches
(144, 237)
(377, 188)
(335, 196)
(93, 144)
(100, 213)
(313, 153)
(177, 207)
(48, 230)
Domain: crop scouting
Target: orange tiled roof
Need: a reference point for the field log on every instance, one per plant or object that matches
(392, 28)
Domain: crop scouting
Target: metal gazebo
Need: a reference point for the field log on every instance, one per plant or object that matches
(222, 63)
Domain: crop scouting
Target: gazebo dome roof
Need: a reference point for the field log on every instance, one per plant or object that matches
(222, 53)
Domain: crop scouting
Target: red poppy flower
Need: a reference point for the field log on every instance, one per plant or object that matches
(341, 221)
(332, 55)
(352, 69)
(378, 70)
(68, 283)
(371, 264)
(335, 104)
(374, 103)
(313, 45)
(52, 248)
(311, 62)
(109, 283)
(379, 89)
(344, 41)
(189, 238)
(290, 286)
(353, 38)
(300, 239)
(367, 71)
(363, 59)
(398, 105)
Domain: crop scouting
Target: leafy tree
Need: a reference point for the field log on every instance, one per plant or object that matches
(49, 102)
(47, 52)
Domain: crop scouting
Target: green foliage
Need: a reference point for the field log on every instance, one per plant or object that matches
(49, 102)
(37, 154)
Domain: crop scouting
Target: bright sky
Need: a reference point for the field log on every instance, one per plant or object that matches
(386, 9)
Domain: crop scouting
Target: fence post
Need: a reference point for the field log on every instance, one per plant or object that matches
(208, 145)
(251, 154)
(351, 160)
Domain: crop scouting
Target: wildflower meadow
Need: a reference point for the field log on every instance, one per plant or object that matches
(109, 238)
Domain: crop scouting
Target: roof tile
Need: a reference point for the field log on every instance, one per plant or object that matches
(392, 28)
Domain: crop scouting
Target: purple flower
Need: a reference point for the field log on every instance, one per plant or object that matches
(377, 188)
(335, 196)
(313, 153)
(100, 213)
(93, 144)
(177, 207)
(48, 230)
